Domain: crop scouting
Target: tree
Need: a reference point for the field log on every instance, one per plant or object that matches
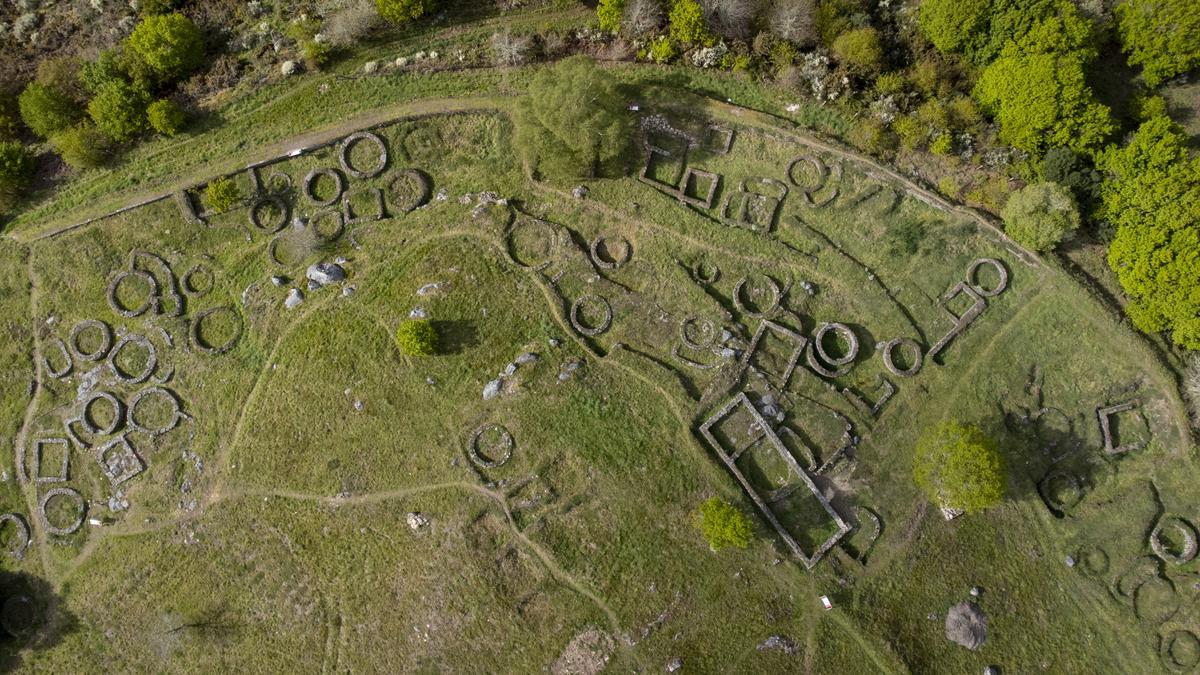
(16, 170)
(119, 110)
(170, 45)
(954, 25)
(572, 120)
(642, 17)
(221, 194)
(959, 467)
(417, 337)
(687, 23)
(723, 525)
(82, 146)
(609, 12)
(404, 11)
(859, 50)
(1074, 172)
(1162, 36)
(1152, 196)
(794, 21)
(1042, 101)
(166, 117)
(45, 110)
(730, 19)
(1040, 216)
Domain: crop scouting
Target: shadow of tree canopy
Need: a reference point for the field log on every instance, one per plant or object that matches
(32, 618)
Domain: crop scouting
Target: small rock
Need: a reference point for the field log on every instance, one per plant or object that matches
(289, 67)
(933, 616)
(442, 195)
(401, 61)
(509, 370)
(370, 66)
(429, 288)
(278, 280)
(991, 670)
(976, 591)
(294, 298)
(778, 642)
(675, 665)
(348, 291)
(580, 192)
(563, 377)
(416, 521)
(325, 273)
(527, 358)
(1070, 561)
(430, 381)
(553, 342)
(417, 313)
(358, 405)
(492, 389)
(312, 285)
(728, 353)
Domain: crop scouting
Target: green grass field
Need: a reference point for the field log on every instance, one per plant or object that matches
(269, 529)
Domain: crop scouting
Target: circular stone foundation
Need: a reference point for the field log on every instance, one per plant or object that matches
(21, 541)
(88, 416)
(310, 181)
(114, 288)
(347, 148)
(278, 222)
(1180, 651)
(591, 329)
(1177, 553)
(18, 616)
(889, 359)
(147, 370)
(603, 254)
(198, 281)
(705, 272)
(491, 453)
(106, 339)
(80, 506)
(973, 271)
(757, 310)
(698, 333)
(201, 342)
(151, 428)
(531, 243)
(408, 190)
(847, 336)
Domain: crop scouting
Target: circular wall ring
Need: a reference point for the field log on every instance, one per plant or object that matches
(115, 284)
(611, 263)
(106, 339)
(143, 395)
(275, 255)
(18, 616)
(1180, 650)
(69, 493)
(339, 224)
(889, 360)
(89, 421)
(847, 335)
(776, 297)
(1185, 530)
(707, 328)
(598, 329)
(348, 144)
(17, 551)
(706, 273)
(506, 446)
(201, 289)
(422, 188)
(198, 341)
(279, 203)
(151, 359)
(1053, 486)
(973, 268)
(312, 177)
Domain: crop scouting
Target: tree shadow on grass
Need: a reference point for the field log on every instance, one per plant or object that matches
(32, 617)
(456, 336)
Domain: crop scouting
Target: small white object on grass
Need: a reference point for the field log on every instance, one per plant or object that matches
(825, 602)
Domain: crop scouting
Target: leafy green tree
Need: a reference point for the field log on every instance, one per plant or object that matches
(572, 120)
(221, 194)
(109, 66)
(46, 110)
(1042, 101)
(16, 170)
(404, 11)
(417, 337)
(1040, 216)
(1162, 36)
(952, 26)
(1074, 172)
(61, 73)
(119, 110)
(1152, 196)
(155, 7)
(686, 19)
(170, 45)
(609, 12)
(959, 467)
(166, 117)
(723, 525)
(82, 146)
(859, 50)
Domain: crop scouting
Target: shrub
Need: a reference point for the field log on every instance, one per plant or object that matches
(572, 120)
(10, 116)
(794, 21)
(350, 25)
(45, 110)
(1040, 216)
(155, 7)
(642, 17)
(911, 132)
(942, 143)
(119, 110)
(170, 45)
(221, 194)
(929, 77)
(16, 170)
(166, 117)
(82, 146)
(731, 19)
(953, 25)
(723, 525)
(662, 50)
(509, 49)
(417, 337)
(889, 84)
(1074, 172)
(859, 50)
(403, 11)
(958, 467)
(609, 12)
(873, 136)
(315, 54)
(62, 75)
(108, 67)
(687, 23)
(1162, 36)
(1151, 198)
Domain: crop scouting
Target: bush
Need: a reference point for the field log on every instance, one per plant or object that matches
(166, 117)
(954, 25)
(509, 49)
(315, 54)
(642, 17)
(609, 12)
(119, 110)
(61, 74)
(45, 110)
(687, 23)
(723, 525)
(662, 50)
(572, 120)
(1074, 172)
(170, 45)
(859, 50)
(1040, 216)
(1162, 36)
(16, 170)
(417, 337)
(221, 194)
(350, 25)
(731, 19)
(889, 84)
(942, 143)
(794, 21)
(10, 116)
(911, 132)
(1152, 199)
(155, 7)
(873, 136)
(958, 467)
(108, 67)
(82, 146)
(403, 11)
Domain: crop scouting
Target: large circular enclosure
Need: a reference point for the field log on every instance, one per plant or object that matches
(491, 446)
(62, 511)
